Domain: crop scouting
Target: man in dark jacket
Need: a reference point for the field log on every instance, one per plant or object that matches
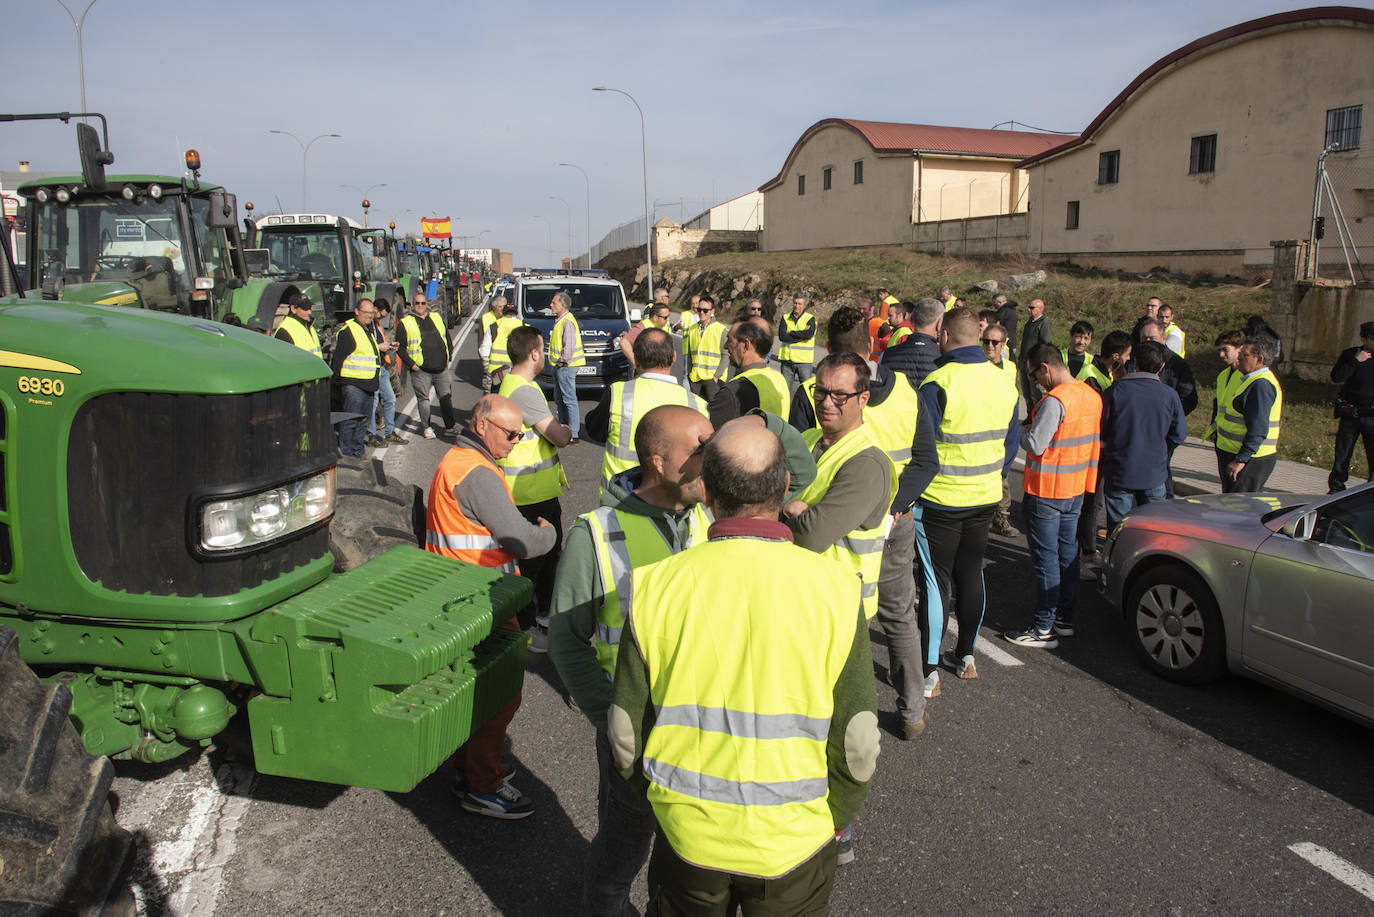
(915, 356)
(424, 348)
(1142, 424)
(356, 363)
(1037, 331)
(1354, 373)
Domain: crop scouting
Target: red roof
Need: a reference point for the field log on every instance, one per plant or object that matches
(1245, 29)
(891, 137)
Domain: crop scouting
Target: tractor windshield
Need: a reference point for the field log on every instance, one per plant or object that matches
(376, 259)
(108, 239)
(304, 254)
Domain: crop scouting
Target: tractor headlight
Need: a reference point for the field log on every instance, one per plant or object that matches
(255, 519)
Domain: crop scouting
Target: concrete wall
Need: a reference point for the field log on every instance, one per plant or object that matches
(1315, 322)
(1266, 99)
(996, 235)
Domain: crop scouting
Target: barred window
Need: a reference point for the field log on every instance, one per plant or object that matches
(1343, 127)
(1203, 155)
(1071, 219)
(825, 178)
(1109, 167)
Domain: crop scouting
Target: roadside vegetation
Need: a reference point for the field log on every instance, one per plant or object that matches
(836, 277)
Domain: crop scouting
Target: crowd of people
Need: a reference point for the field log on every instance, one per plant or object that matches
(754, 520)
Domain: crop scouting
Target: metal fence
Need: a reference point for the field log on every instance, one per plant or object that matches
(627, 235)
(978, 197)
(1348, 221)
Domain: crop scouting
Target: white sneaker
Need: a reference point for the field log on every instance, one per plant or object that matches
(932, 685)
(429, 433)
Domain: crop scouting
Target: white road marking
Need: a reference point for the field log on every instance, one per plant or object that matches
(987, 647)
(1336, 867)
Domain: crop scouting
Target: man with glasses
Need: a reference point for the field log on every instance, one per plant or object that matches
(994, 342)
(356, 363)
(658, 315)
(797, 335)
(471, 517)
(425, 350)
(754, 308)
(705, 350)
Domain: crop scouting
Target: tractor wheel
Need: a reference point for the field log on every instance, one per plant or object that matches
(60, 848)
(372, 513)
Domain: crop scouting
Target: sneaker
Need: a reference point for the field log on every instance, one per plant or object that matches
(1001, 525)
(1087, 574)
(1034, 638)
(429, 433)
(459, 786)
(932, 688)
(539, 639)
(507, 802)
(1063, 628)
(395, 437)
(962, 665)
(912, 730)
(375, 441)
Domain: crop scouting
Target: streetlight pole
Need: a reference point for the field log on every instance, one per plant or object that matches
(644, 155)
(80, 51)
(573, 165)
(549, 227)
(305, 151)
(366, 202)
(570, 236)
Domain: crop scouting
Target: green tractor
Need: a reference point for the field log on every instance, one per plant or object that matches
(181, 547)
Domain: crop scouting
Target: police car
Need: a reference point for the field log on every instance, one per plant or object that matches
(601, 310)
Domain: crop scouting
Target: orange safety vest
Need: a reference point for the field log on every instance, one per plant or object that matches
(877, 344)
(1068, 466)
(447, 530)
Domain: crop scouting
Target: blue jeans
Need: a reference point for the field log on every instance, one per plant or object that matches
(388, 397)
(568, 411)
(1121, 502)
(351, 432)
(1052, 531)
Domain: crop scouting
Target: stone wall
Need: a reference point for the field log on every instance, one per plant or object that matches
(995, 235)
(672, 242)
(1316, 322)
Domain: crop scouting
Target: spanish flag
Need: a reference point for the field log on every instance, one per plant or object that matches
(437, 227)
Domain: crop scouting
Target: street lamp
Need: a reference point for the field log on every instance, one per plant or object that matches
(644, 155)
(305, 151)
(80, 52)
(366, 203)
(553, 197)
(573, 165)
(549, 227)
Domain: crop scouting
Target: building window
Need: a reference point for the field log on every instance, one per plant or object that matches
(1109, 168)
(1071, 221)
(1343, 127)
(801, 184)
(825, 179)
(859, 172)
(1203, 156)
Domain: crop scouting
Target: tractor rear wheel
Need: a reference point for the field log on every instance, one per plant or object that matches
(372, 513)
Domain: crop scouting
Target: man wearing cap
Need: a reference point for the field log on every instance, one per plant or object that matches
(1354, 373)
(295, 327)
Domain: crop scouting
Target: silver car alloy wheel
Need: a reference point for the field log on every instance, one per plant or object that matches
(1169, 626)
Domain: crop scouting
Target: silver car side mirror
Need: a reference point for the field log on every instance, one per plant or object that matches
(1300, 527)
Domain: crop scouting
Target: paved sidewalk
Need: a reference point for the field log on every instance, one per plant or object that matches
(1195, 473)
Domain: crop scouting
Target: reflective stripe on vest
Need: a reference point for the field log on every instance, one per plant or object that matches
(447, 530)
(630, 401)
(1068, 466)
(704, 351)
(772, 389)
(533, 471)
(801, 351)
(971, 438)
(736, 758)
(414, 348)
(1231, 428)
(302, 335)
(892, 424)
(360, 364)
(1088, 370)
(861, 550)
(624, 543)
(560, 328)
(500, 357)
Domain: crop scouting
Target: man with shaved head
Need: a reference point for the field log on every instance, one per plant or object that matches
(755, 384)
(472, 517)
(788, 737)
(646, 513)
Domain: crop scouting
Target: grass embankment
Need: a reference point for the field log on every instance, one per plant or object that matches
(836, 277)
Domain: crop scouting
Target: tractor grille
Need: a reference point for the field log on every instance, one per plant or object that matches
(139, 464)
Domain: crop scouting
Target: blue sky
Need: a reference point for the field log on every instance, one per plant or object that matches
(465, 109)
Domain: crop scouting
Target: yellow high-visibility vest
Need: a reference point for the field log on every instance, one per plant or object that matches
(365, 360)
(412, 327)
(1231, 422)
(532, 469)
(971, 440)
(772, 389)
(630, 401)
(566, 324)
(705, 350)
(302, 335)
(801, 351)
(500, 357)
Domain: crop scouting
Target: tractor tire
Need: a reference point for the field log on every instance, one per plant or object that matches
(371, 513)
(60, 849)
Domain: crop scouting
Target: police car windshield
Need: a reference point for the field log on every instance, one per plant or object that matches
(589, 301)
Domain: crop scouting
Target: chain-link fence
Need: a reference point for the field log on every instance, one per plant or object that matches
(1346, 205)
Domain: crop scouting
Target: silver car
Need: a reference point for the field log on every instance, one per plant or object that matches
(1274, 587)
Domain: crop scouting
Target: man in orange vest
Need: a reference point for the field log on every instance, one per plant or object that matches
(1062, 449)
(472, 517)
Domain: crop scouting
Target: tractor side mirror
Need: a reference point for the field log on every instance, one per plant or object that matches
(224, 209)
(93, 159)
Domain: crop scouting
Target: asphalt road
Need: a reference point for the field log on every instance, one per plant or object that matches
(1064, 781)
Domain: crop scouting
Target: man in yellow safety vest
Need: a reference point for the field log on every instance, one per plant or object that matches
(755, 384)
(1248, 422)
(296, 327)
(797, 335)
(568, 357)
(704, 345)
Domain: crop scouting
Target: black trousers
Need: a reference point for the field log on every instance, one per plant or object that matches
(543, 568)
(1348, 431)
(1252, 477)
(958, 540)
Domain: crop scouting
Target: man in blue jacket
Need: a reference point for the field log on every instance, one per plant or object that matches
(1142, 424)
